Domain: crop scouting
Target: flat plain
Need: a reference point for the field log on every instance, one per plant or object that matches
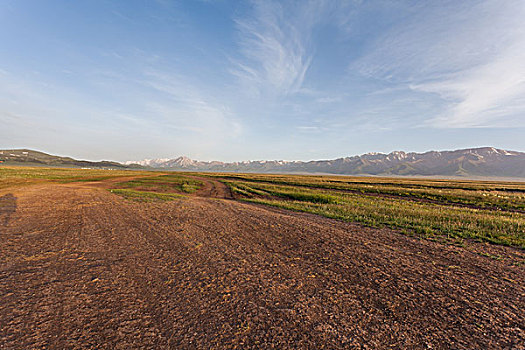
(135, 259)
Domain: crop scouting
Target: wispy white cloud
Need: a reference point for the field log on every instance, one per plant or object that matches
(274, 43)
(492, 94)
(328, 99)
(470, 54)
(310, 129)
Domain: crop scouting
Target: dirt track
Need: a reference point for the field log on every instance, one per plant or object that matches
(83, 268)
(213, 189)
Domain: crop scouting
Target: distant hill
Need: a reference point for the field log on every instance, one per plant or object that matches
(485, 161)
(34, 158)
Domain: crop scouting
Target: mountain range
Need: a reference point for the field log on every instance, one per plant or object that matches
(484, 161)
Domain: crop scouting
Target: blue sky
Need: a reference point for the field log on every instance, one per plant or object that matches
(239, 80)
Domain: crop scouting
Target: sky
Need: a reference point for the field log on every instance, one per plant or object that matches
(251, 80)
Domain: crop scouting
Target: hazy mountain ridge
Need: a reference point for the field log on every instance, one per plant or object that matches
(484, 161)
(35, 158)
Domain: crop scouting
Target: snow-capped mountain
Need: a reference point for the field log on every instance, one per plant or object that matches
(485, 161)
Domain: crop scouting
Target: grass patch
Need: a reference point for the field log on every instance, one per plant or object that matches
(480, 194)
(142, 196)
(163, 184)
(442, 220)
(20, 176)
(492, 256)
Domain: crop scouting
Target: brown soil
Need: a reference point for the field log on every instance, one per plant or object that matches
(83, 268)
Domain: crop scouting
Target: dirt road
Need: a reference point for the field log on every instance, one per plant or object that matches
(213, 189)
(83, 268)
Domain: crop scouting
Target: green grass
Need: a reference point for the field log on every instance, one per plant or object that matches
(480, 194)
(163, 184)
(488, 211)
(157, 188)
(442, 220)
(20, 176)
(142, 196)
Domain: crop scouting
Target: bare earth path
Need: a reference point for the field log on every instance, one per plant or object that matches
(83, 268)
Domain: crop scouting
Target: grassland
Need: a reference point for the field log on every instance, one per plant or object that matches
(480, 194)
(164, 184)
(144, 185)
(145, 196)
(162, 187)
(449, 210)
(436, 209)
(20, 176)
